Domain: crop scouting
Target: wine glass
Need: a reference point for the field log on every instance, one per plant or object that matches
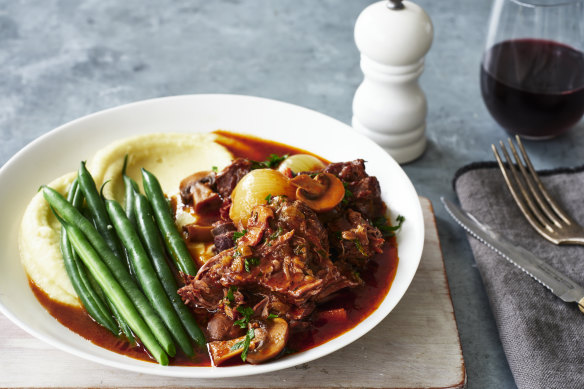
(532, 72)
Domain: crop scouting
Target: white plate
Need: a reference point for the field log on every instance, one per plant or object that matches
(60, 151)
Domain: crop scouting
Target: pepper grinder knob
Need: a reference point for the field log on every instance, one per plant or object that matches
(389, 106)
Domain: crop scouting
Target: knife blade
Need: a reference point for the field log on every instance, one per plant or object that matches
(560, 285)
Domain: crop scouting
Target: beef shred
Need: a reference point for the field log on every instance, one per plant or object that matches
(226, 181)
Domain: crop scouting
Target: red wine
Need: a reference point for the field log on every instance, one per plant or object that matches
(534, 88)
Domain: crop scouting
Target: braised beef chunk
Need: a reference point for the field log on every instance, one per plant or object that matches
(222, 227)
(223, 235)
(362, 192)
(348, 171)
(226, 181)
(354, 239)
(204, 289)
(366, 197)
(224, 210)
(282, 258)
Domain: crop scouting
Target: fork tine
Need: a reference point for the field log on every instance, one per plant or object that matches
(539, 184)
(562, 229)
(533, 216)
(529, 180)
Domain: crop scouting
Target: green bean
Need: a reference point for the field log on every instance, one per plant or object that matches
(131, 187)
(124, 327)
(97, 208)
(152, 240)
(172, 238)
(121, 322)
(92, 284)
(115, 292)
(146, 275)
(75, 197)
(99, 215)
(92, 302)
(74, 217)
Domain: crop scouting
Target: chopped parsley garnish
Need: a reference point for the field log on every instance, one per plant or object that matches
(348, 193)
(230, 296)
(270, 163)
(269, 197)
(237, 235)
(360, 247)
(244, 344)
(272, 316)
(299, 249)
(387, 230)
(247, 313)
(238, 345)
(249, 262)
(274, 235)
(215, 169)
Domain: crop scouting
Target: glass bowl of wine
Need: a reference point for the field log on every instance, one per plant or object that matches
(532, 71)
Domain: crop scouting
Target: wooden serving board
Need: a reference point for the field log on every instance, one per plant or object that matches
(416, 346)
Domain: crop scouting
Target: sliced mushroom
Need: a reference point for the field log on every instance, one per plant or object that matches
(273, 345)
(198, 233)
(196, 189)
(223, 350)
(269, 340)
(321, 193)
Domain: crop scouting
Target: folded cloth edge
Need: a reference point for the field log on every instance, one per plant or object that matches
(493, 164)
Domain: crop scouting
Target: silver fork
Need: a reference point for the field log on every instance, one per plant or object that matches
(538, 207)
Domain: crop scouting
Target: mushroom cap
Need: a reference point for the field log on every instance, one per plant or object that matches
(274, 343)
(321, 193)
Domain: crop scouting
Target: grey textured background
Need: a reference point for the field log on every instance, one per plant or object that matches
(62, 59)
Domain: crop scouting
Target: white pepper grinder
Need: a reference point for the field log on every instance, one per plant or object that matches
(389, 106)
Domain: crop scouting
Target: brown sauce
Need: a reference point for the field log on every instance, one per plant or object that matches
(358, 302)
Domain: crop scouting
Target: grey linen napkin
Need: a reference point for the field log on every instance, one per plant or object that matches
(542, 336)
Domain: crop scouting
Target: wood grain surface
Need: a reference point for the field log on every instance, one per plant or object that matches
(416, 346)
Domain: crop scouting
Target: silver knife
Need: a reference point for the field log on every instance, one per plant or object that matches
(558, 283)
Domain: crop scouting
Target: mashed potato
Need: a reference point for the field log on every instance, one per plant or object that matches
(39, 244)
(171, 157)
